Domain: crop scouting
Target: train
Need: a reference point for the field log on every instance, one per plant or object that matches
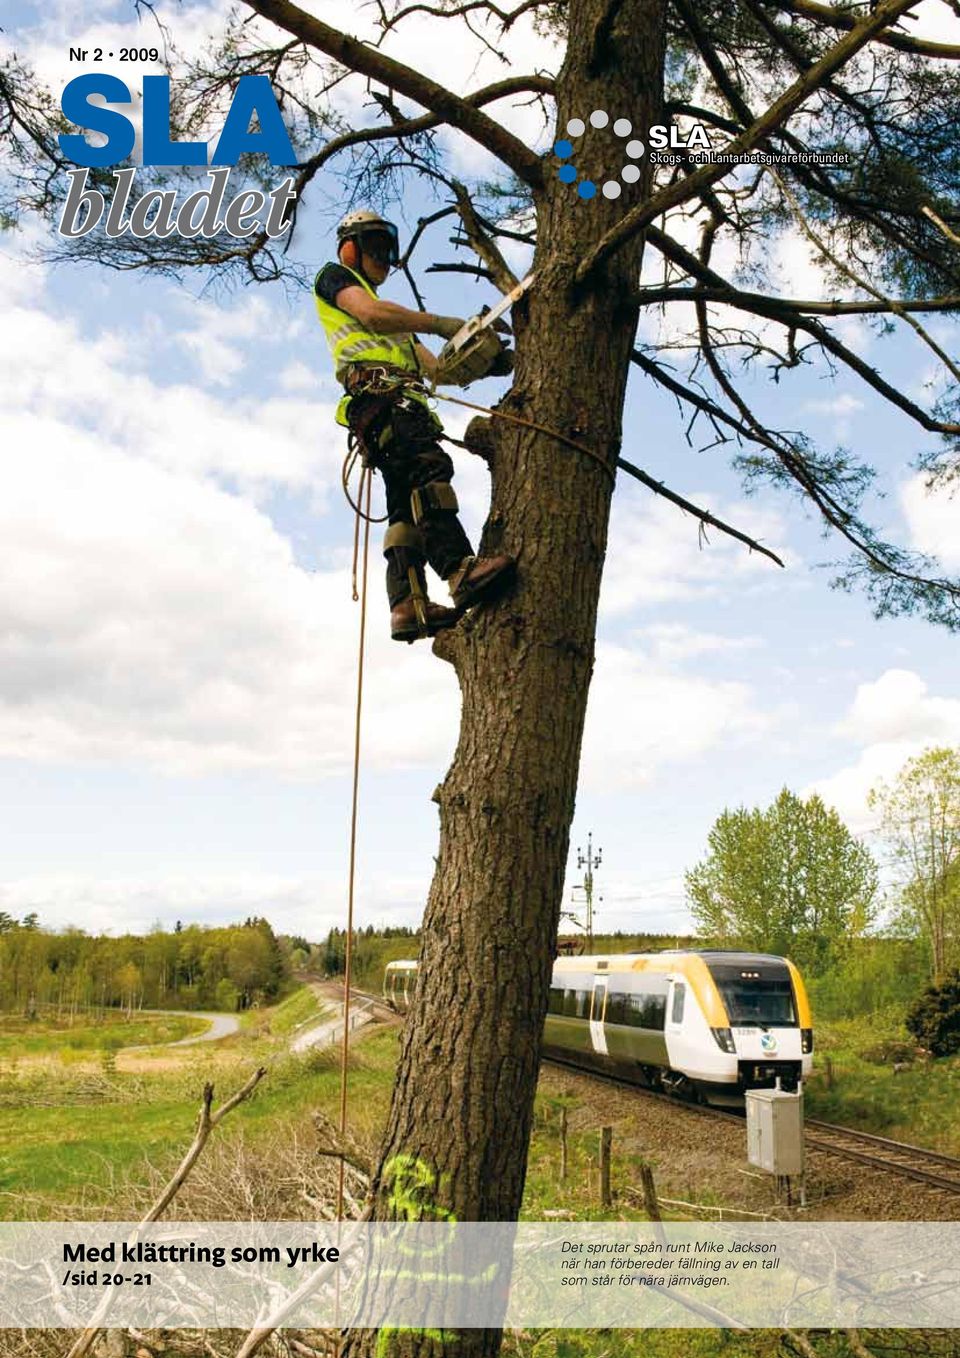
(706, 1025)
(398, 982)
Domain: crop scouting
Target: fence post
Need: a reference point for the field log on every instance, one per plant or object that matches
(650, 1203)
(606, 1138)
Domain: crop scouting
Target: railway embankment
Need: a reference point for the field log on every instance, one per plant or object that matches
(698, 1162)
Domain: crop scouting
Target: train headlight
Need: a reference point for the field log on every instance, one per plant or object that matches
(806, 1041)
(724, 1039)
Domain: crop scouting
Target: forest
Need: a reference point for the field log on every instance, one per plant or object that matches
(227, 968)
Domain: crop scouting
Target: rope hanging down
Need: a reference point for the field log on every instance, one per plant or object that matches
(366, 484)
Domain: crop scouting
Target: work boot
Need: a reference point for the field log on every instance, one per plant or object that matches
(403, 620)
(478, 578)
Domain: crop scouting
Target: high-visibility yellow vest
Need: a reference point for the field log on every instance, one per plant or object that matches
(352, 342)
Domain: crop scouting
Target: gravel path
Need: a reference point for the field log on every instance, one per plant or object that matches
(221, 1025)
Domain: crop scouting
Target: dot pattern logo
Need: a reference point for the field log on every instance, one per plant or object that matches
(586, 188)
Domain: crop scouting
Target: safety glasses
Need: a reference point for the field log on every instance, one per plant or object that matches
(382, 243)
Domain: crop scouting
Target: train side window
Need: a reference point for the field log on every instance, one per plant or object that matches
(617, 1007)
(583, 1004)
(679, 993)
(555, 1003)
(648, 1011)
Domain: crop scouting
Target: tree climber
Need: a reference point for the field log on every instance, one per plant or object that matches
(382, 364)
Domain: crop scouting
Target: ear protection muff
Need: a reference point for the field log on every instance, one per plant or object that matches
(350, 254)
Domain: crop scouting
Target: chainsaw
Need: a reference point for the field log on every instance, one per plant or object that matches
(476, 346)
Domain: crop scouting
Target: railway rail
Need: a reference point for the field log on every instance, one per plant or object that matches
(931, 1168)
(913, 1162)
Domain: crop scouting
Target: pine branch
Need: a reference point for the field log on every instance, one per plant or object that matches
(639, 217)
(815, 178)
(760, 307)
(410, 127)
(483, 245)
(707, 520)
(507, 17)
(443, 103)
(758, 302)
(846, 19)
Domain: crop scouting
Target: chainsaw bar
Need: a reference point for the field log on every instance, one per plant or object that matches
(505, 303)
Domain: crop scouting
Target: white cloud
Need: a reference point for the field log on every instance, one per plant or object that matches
(185, 428)
(643, 716)
(894, 718)
(936, 21)
(898, 707)
(671, 642)
(150, 614)
(63, 27)
(309, 904)
(151, 619)
(212, 329)
(847, 789)
(932, 517)
(297, 376)
(655, 553)
(842, 409)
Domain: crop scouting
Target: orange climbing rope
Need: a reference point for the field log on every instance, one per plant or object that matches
(366, 485)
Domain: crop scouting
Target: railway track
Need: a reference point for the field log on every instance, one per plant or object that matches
(896, 1157)
(878, 1152)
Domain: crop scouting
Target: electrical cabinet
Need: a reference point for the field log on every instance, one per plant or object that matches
(775, 1131)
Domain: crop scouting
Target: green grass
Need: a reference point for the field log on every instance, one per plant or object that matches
(650, 1343)
(852, 1086)
(91, 1137)
(35, 1037)
(298, 1008)
(83, 1121)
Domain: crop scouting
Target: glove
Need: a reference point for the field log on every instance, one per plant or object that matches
(502, 365)
(447, 326)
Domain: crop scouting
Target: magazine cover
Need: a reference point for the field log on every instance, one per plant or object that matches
(479, 723)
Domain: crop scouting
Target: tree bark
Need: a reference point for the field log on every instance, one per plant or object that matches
(459, 1125)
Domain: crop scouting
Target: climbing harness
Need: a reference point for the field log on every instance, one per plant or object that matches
(556, 434)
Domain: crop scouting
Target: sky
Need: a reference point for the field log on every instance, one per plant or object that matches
(177, 638)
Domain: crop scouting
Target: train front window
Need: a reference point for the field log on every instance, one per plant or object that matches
(760, 1002)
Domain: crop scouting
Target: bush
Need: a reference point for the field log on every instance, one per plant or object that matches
(934, 1019)
(889, 1051)
(876, 974)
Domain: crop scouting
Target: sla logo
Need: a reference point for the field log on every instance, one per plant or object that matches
(768, 1043)
(660, 138)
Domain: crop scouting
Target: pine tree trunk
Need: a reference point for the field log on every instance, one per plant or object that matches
(463, 1099)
